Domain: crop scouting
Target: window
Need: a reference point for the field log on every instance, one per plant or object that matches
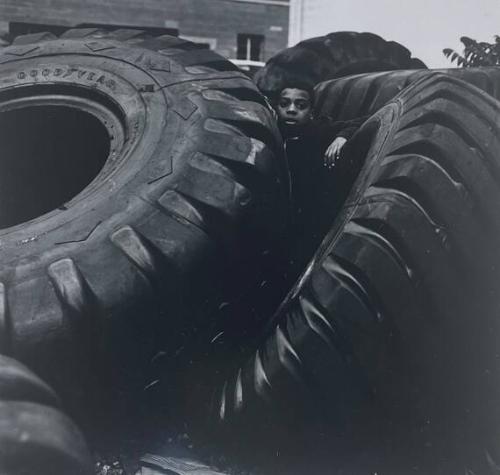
(250, 47)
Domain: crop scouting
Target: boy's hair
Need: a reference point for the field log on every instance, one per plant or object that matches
(299, 85)
(292, 84)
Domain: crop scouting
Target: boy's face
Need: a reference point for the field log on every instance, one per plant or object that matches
(294, 110)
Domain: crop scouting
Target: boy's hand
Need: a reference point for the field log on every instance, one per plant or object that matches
(332, 153)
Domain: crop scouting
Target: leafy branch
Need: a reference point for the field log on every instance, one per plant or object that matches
(475, 53)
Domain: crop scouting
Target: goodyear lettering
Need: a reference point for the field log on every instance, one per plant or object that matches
(70, 72)
(82, 74)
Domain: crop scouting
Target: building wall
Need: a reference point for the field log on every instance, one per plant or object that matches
(219, 21)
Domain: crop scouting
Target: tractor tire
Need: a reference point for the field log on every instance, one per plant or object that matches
(138, 174)
(364, 94)
(389, 340)
(35, 437)
(335, 55)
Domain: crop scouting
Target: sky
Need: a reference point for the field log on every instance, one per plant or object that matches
(425, 27)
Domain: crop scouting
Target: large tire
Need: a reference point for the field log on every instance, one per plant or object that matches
(166, 171)
(35, 437)
(335, 55)
(364, 94)
(391, 335)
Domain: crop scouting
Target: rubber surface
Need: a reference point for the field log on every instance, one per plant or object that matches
(389, 341)
(364, 94)
(335, 55)
(194, 189)
(35, 437)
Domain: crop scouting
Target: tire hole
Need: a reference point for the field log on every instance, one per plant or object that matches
(49, 155)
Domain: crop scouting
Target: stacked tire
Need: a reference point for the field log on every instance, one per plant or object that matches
(384, 356)
(35, 436)
(364, 94)
(143, 181)
(336, 55)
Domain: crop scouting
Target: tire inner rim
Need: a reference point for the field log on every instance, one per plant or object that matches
(54, 142)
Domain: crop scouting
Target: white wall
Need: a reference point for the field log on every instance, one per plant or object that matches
(425, 27)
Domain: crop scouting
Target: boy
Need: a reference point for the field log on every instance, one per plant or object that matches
(296, 120)
(313, 148)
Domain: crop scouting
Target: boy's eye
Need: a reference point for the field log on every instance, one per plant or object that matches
(302, 105)
(284, 103)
